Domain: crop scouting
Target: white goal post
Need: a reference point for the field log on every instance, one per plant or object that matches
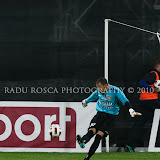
(156, 119)
(154, 132)
(106, 66)
(106, 49)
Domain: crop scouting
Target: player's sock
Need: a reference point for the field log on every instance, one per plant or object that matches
(86, 158)
(86, 138)
(94, 146)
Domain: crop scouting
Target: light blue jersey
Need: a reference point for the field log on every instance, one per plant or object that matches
(107, 101)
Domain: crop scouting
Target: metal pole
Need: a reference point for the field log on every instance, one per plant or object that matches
(106, 65)
(106, 49)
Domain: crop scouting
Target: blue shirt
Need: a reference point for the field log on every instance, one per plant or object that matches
(107, 101)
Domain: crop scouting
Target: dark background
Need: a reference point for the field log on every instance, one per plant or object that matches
(55, 43)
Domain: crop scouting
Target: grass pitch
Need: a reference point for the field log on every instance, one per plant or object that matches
(78, 156)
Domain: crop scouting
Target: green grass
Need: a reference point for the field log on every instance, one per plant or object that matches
(78, 156)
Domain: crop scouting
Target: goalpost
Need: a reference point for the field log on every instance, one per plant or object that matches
(106, 66)
(154, 131)
(107, 40)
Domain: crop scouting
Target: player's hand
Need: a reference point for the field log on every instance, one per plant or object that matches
(84, 103)
(133, 113)
(156, 90)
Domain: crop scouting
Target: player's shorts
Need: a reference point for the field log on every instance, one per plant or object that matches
(102, 122)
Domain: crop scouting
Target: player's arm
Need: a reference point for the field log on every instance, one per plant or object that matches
(121, 97)
(91, 98)
(147, 81)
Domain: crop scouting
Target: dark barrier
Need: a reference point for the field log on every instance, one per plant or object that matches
(48, 45)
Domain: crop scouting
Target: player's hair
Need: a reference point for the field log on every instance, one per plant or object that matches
(101, 80)
(156, 62)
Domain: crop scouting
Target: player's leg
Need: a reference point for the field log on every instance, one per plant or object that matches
(135, 133)
(103, 128)
(137, 130)
(95, 144)
(86, 138)
(91, 131)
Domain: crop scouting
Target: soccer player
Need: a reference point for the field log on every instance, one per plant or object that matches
(148, 103)
(107, 108)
